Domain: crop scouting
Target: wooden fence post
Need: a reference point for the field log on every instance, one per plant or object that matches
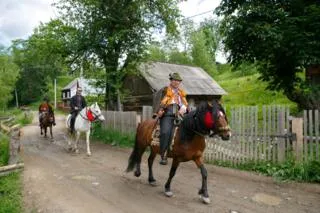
(297, 128)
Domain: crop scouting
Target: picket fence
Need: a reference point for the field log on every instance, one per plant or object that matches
(269, 133)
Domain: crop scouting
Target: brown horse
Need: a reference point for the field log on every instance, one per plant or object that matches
(188, 143)
(46, 120)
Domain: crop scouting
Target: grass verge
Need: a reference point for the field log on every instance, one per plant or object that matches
(10, 193)
(113, 137)
(286, 171)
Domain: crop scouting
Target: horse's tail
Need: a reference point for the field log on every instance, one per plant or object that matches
(134, 157)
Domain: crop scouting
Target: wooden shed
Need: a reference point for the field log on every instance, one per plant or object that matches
(154, 76)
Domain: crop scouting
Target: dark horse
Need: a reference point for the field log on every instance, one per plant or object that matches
(46, 121)
(188, 142)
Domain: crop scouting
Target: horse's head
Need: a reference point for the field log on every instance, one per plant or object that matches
(95, 109)
(215, 119)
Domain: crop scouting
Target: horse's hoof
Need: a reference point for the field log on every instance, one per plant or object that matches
(168, 193)
(76, 151)
(153, 183)
(89, 154)
(205, 200)
(137, 173)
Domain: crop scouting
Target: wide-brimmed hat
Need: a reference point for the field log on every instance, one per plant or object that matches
(175, 76)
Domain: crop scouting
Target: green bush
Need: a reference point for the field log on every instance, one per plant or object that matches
(4, 150)
(288, 170)
(114, 137)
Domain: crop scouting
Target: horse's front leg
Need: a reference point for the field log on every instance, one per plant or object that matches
(151, 158)
(77, 141)
(45, 132)
(41, 130)
(51, 133)
(88, 142)
(203, 192)
(174, 166)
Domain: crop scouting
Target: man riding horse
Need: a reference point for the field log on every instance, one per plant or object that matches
(173, 103)
(77, 103)
(46, 107)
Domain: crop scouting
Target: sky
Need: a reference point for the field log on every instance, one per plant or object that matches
(18, 18)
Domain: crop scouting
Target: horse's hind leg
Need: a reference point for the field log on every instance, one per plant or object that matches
(203, 192)
(76, 143)
(137, 173)
(151, 158)
(174, 166)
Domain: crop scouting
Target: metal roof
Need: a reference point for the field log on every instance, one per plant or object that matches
(195, 80)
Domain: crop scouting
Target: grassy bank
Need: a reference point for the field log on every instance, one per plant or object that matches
(11, 185)
(112, 137)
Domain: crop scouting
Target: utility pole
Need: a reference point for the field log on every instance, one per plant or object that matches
(55, 93)
(16, 93)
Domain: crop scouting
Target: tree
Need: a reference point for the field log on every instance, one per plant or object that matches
(115, 33)
(8, 77)
(41, 58)
(282, 37)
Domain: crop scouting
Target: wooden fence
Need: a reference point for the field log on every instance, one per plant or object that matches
(258, 134)
(125, 122)
(267, 135)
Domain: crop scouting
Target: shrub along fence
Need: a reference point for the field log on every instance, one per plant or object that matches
(258, 134)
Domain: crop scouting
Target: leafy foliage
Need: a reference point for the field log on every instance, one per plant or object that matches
(41, 58)
(281, 36)
(113, 33)
(112, 137)
(9, 73)
(4, 150)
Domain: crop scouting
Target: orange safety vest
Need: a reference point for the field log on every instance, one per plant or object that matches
(170, 95)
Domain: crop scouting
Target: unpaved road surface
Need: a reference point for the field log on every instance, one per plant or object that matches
(57, 181)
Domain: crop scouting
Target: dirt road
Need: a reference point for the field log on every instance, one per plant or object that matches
(56, 181)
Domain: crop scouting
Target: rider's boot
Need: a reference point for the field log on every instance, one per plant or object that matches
(163, 160)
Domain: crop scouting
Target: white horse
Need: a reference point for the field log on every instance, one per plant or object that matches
(83, 124)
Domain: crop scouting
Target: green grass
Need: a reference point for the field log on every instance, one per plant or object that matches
(10, 193)
(288, 170)
(114, 137)
(4, 150)
(248, 90)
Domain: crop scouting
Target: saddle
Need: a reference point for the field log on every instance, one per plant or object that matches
(156, 136)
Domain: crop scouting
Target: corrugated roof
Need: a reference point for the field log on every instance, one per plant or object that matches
(195, 80)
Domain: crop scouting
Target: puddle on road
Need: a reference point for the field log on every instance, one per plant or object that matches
(266, 199)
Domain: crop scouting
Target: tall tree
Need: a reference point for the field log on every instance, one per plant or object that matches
(282, 36)
(115, 33)
(8, 77)
(41, 58)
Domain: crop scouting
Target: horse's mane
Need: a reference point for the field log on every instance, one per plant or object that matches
(193, 122)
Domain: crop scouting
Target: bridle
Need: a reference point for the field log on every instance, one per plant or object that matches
(86, 117)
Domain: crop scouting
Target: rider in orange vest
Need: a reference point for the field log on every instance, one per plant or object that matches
(173, 101)
(46, 107)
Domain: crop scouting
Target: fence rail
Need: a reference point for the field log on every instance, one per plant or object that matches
(259, 134)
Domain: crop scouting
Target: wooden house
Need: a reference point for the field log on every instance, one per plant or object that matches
(87, 90)
(144, 88)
